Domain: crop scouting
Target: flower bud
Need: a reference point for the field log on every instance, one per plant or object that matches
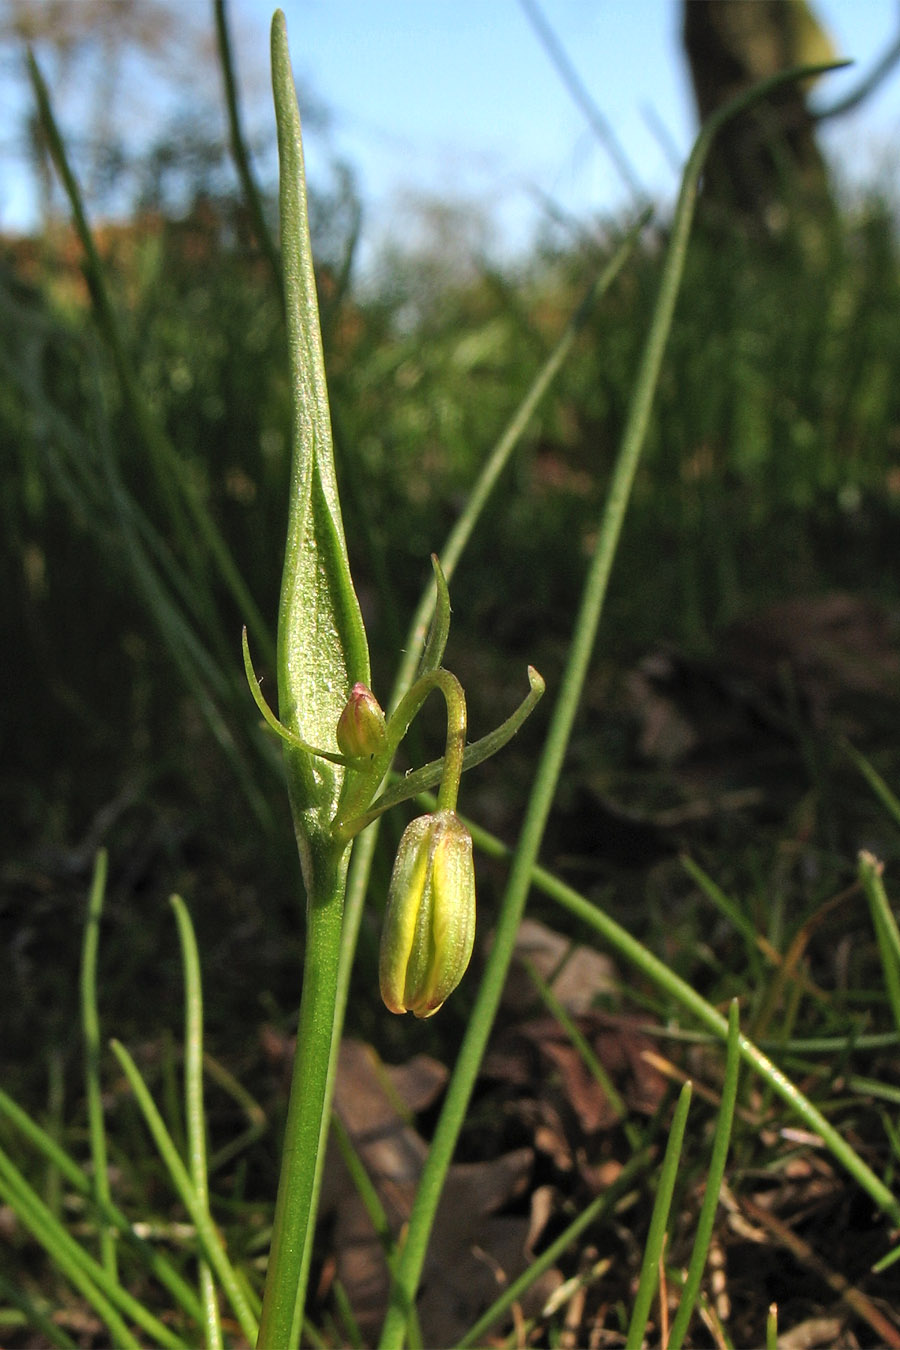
(429, 926)
(360, 728)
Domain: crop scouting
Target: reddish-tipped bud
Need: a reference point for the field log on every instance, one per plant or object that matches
(360, 728)
(429, 926)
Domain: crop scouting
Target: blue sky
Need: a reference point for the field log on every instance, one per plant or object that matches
(457, 97)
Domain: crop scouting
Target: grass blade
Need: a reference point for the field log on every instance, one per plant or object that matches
(885, 925)
(195, 1117)
(656, 1237)
(374, 1208)
(189, 515)
(36, 1317)
(104, 1293)
(887, 798)
(547, 777)
(681, 992)
(239, 150)
(588, 1058)
(714, 1175)
(152, 1260)
(206, 1229)
(90, 1022)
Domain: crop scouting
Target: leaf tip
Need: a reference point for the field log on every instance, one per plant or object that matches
(537, 682)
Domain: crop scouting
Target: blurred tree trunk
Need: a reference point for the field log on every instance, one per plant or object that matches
(765, 166)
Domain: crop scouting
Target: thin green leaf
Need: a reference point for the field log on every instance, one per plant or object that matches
(363, 1185)
(195, 1117)
(352, 1335)
(885, 925)
(152, 1260)
(890, 1259)
(549, 769)
(36, 1317)
(290, 737)
(90, 1022)
(732, 912)
(653, 1250)
(664, 979)
(887, 798)
(502, 451)
(588, 1058)
(373, 1207)
(206, 1229)
(772, 1327)
(256, 1115)
(439, 631)
(104, 1293)
(714, 1175)
(239, 150)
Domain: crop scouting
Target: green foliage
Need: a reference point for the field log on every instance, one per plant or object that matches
(775, 428)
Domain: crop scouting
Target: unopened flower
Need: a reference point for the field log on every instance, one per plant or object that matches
(429, 926)
(361, 727)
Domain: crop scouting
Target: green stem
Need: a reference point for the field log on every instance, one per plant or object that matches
(417, 781)
(412, 1257)
(455, 700)
(322, 654)
(306, 1124)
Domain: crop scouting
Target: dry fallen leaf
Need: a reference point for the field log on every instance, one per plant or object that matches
(474, 1249)
(576, 974)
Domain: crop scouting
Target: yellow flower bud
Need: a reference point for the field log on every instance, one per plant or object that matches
(429, 926)
(361, 728)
